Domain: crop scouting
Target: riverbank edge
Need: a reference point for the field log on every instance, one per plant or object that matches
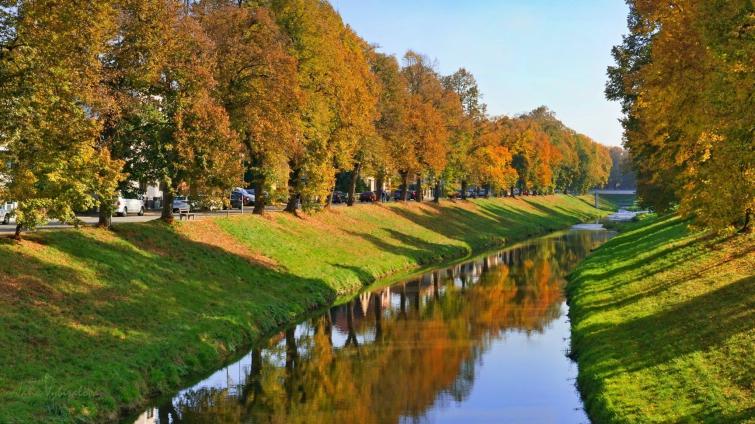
(661, 247)
(300, 309)
(376, 282)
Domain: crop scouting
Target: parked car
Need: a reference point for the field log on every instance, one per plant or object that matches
(129, 204)
(7, 214)
(181, 204)
(367, 196)
(397, 195)
(240, 195)
(339, 197)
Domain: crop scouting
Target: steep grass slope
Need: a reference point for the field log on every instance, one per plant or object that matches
(95, 321)
(663, 326)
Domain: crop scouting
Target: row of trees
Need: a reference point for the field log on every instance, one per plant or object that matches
(685, 76)
(194, 94)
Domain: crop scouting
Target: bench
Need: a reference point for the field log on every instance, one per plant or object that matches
(186, 214)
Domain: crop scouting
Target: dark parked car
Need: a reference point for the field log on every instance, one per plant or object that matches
(239, 194)
(367, 196)
(339, 197)
(397, 195)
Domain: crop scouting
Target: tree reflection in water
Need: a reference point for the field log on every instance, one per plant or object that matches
(391, 354)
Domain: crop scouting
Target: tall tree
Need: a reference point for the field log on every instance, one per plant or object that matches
(433, 111)
(338, 88)
(132, 61)
(357, 116)
(392, 118)
(684, 75)
(193, 143)
(466, 140)
(257, 84)
(52, 105)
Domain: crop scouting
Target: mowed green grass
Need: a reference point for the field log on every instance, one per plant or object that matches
(663, 326)
(617, 201)
(94, 322)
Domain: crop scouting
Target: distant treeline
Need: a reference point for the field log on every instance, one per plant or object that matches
(196, 94)
(622, 175)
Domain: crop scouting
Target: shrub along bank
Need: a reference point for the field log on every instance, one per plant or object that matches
(663, 326)
(94, 322)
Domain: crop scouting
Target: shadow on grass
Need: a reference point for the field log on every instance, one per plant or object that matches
(659, 338)
(140, 311)
(640, 242)
(493, 222)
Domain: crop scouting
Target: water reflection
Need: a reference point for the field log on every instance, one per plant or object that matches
(480, 341)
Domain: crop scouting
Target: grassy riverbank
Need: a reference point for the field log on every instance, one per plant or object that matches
(663, 326)
(95, 321)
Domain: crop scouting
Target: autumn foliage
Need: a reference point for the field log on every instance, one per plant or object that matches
(685, 76)
(199, 96)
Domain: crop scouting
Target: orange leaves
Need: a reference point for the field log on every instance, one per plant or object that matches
(258, 84)
(494, 166)
(427, 132)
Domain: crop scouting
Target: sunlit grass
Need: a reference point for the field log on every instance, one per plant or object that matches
(664, 326)
(93, 321)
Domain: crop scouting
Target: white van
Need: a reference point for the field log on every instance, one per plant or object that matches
(6, 212)
(124, 206)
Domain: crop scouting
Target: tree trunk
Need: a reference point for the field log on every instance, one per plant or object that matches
(436, 192)
(293, 190)
(464, 189)
(746, 227)
(353, 183)
(419, 196)
(379, 182)
(17, 234)
(404, 186)
(511, 193)
(259, 195)
(167, 212)
(329, 201)
(105, 214)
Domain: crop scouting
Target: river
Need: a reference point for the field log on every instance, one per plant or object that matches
(481, 341)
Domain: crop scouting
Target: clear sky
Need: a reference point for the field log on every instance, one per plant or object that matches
(524, 53)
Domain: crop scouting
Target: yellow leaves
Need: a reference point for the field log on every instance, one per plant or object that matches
(492, 164)
(691, 123)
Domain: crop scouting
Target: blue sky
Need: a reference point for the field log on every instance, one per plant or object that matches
(524, 53)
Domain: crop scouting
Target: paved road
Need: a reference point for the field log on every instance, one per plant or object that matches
(92, 220)
(607, 191)
(148, 216)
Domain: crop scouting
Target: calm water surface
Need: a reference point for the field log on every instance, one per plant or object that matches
(483, 341)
